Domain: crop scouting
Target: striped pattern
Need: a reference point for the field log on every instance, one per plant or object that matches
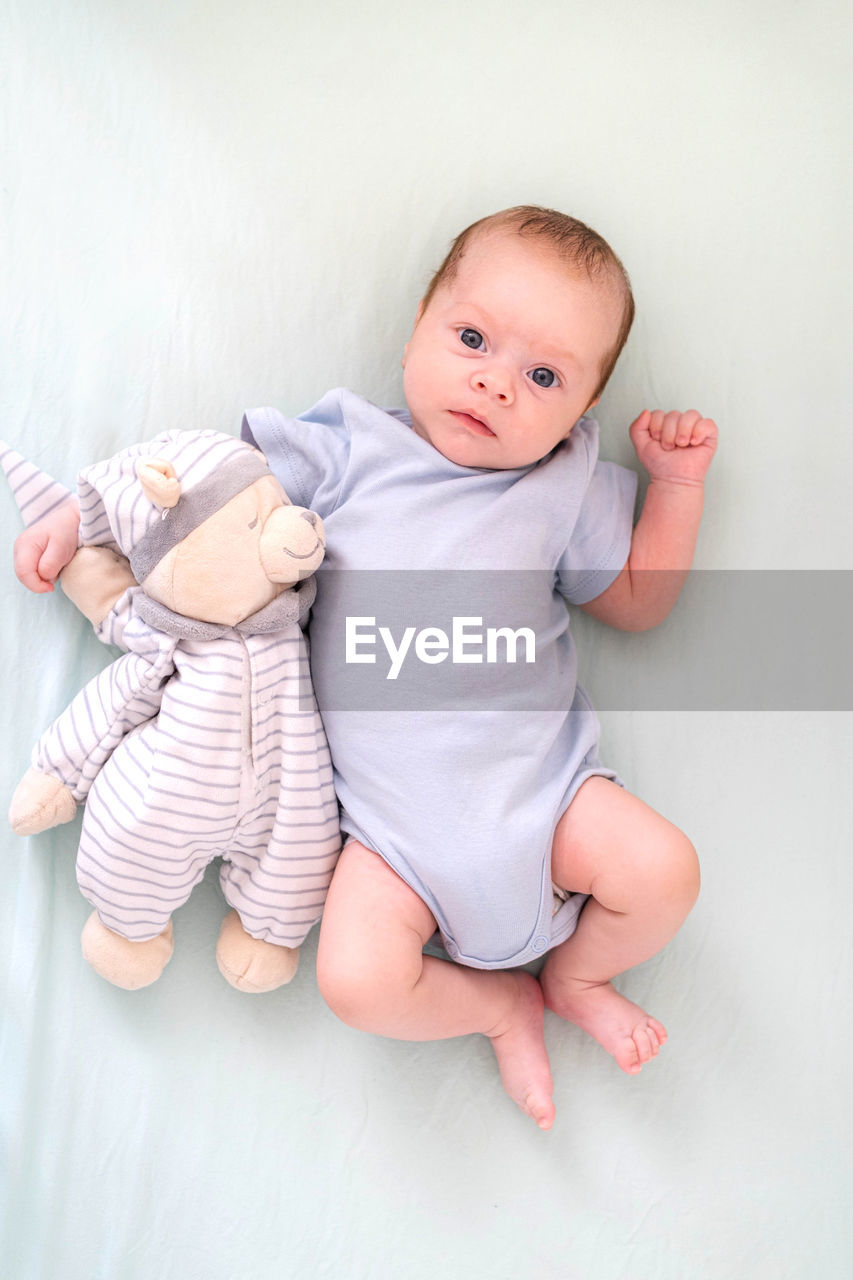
(34, 491)
(185, 750)
(114, 511)
(227, 758)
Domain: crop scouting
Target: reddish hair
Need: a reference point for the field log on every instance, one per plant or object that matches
(581, 248)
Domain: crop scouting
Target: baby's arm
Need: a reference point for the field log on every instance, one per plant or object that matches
(676, 449)
(44, 549)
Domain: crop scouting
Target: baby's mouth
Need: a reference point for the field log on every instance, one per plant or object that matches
(476, 425)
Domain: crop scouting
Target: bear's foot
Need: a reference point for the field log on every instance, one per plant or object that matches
(126, 964)
(39, 803)
(251, 964)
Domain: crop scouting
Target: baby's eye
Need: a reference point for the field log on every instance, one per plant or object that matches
(253, 524)
(471, 338)
(543, 377)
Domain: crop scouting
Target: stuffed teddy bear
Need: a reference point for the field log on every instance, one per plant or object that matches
(204, 739)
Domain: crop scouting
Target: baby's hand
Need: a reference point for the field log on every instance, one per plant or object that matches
(674, 446)
(44, 549)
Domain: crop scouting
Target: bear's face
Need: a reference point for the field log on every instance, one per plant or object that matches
(239, 559)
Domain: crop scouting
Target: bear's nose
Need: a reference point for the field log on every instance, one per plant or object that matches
(289, 551)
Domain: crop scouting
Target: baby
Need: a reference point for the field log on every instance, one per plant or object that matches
(468, 821)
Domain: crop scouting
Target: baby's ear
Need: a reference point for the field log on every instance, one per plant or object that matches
(420, 311)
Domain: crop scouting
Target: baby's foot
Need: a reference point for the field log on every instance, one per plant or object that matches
(620, 1026)
(521, 1054)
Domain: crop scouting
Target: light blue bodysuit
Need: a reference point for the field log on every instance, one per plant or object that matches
(457, 769)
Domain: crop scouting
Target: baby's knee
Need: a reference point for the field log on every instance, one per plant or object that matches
(678, 871)
(344, 987)
(359, 983)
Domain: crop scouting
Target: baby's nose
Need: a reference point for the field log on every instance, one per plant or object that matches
(494, 382)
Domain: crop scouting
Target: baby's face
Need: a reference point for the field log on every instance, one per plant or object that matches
(507, 356)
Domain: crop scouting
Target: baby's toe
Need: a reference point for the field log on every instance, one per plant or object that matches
(659, 1030)
(646, 1044)
(628, 1056)
(541, 1110)
(650, 1037)
(646, 1048)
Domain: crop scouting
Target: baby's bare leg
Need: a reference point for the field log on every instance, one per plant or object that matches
(373, 975)
(643, 875)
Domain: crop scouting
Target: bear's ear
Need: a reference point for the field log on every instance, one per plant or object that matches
(159, 481)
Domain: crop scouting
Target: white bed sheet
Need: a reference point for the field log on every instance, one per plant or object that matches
(209, 206)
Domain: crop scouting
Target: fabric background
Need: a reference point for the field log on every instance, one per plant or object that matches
(209, 206)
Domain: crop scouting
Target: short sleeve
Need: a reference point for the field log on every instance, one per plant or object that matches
(308, 454)
(601, 539)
